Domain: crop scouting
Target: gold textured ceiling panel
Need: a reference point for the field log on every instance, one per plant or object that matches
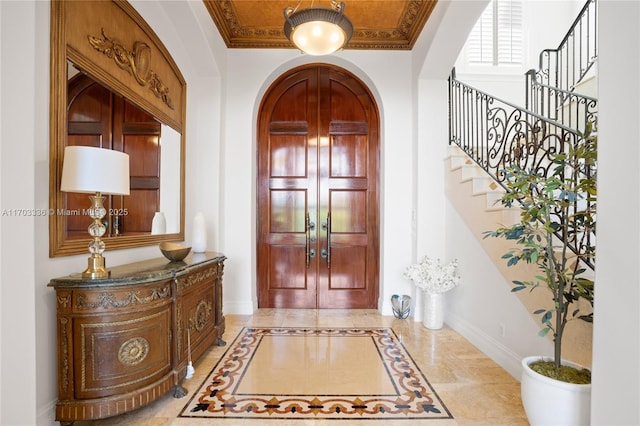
(380, 25)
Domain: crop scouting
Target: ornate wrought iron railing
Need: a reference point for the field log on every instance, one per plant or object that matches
(497, 134)
(565, 66)
(568, 108)
(550, 89)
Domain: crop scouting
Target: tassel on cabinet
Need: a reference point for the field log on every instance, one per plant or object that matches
(190, 370)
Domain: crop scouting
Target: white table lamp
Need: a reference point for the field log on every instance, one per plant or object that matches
(95, 171)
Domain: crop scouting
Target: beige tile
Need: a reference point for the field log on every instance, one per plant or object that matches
(475, 390)
(316, 364)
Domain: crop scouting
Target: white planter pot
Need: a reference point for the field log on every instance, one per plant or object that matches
(433, 310)
(552, 402)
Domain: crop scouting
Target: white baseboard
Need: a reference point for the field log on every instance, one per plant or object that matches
(495, 350)
(238, 307)
(46, 414)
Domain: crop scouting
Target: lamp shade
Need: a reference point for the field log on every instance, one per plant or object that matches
(89, 170)
(318, 30)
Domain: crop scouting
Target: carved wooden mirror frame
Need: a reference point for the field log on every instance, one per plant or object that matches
(109, 41)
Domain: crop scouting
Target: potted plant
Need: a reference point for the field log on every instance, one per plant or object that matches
(434, 279)
(556, 232)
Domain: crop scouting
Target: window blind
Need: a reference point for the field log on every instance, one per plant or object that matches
(496, 38)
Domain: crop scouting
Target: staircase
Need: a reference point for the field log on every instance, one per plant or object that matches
(559, 88)
(473, 193)
(487, 134)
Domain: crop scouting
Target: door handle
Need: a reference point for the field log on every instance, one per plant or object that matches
(307, 242)
(308, 227)
(325, 253)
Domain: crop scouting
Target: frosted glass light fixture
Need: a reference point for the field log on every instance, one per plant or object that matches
(318, 30)
(95, 171)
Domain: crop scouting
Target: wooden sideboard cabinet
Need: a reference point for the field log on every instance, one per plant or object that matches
(124, 341)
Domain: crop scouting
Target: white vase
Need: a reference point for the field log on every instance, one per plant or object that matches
(158, 224)
(199, 235)
(432, 310)
(552, 402)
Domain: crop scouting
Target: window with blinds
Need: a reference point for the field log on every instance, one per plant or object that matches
(496, 38)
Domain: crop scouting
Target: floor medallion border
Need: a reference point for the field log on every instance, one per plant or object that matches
(217, 396)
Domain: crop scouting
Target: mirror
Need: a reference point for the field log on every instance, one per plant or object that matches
(94, 104)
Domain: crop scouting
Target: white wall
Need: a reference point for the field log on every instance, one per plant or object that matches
(616, 353)
(17, 324)
(483, 308)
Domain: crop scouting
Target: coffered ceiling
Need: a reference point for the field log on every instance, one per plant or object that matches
(378, 24)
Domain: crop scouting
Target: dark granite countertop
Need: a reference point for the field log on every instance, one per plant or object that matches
(139, 272)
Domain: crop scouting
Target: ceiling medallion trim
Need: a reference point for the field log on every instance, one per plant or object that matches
(403, 37)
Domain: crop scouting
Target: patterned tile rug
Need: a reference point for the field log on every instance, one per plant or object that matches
(322, 373)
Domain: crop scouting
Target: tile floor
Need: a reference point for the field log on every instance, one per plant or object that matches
(475, 389)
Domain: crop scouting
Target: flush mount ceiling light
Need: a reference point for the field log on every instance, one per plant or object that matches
(318, 30)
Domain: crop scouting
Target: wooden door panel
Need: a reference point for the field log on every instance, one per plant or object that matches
(348, 267)
(137, 210)
(317, 157)
(143, 154)
(288, 210)
(292, 99)
(289, 270)
(285, 150)
(349, 155)
(348, 211)
(288, 157)
(349, 193)
(349, 100)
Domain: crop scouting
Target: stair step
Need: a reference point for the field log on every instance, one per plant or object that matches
(493, 198)
(484, 184)
(510, 215)
(458, 157)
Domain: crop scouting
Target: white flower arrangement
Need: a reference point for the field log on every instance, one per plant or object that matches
(432, 276)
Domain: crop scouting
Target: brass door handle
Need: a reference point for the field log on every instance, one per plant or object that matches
(307, 242)
(326, 252)
(308, 227)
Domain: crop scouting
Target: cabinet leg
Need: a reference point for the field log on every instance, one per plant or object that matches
(66, 422)
(179, 391)
(220, 342)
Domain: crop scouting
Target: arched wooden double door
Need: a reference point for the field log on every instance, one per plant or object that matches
(317, 192)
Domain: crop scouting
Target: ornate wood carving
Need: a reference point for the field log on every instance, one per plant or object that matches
(64, 301)
(201, 316)
(196, 278)
(179, 327)
(133, 351)
(107, 300)
(64, 343)
(136, 62)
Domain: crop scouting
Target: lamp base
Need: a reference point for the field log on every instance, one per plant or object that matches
(96, 267)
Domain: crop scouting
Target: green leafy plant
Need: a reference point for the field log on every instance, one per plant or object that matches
(556, 232)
